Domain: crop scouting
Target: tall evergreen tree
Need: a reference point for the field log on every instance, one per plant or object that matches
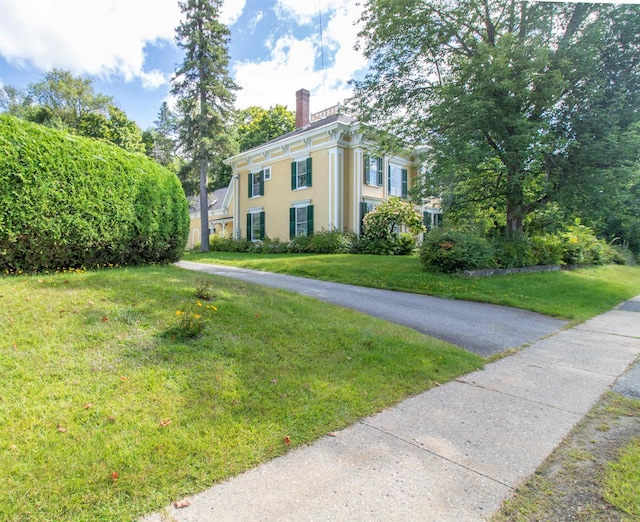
(205, 92)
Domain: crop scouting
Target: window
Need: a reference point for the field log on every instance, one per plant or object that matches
(301, 174)
(301, 221)
(256, 184)
(255, 226)
(373, 171)
(397, 181)
(267, 174)
(365, 208)
(432, 218)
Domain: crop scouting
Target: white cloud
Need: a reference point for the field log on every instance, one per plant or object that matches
(306, 12)
(231, 11)
(290, 65)
(98, 38)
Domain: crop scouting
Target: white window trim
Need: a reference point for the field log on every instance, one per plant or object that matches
(255, 210)
(298, 160)
(301, 203)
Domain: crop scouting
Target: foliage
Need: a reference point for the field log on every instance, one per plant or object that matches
(379, 234)
(205, 289)
(500, 92)
(257, 125)
(450, 251)
(70, 202)
(322, 242)
(204, 91)
(63, 101)
(582, 247)
(88, 354)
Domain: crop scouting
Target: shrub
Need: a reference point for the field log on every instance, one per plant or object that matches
(582, 247)
(67, 201)
(515, 252)
(451, 251)
(547, 249)
(378, 236)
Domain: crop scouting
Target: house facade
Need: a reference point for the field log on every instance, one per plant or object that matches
(221, 212)
(324, 175)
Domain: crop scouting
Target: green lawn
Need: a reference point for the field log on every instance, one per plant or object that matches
(108, 412)
(574, 295)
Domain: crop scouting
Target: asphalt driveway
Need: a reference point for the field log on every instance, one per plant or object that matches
(484, 329)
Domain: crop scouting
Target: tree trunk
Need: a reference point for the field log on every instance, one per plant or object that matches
(204, 207)
(516, 208)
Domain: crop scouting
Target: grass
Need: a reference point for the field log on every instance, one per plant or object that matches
(111, 406)
(622, 480)
(574, 295)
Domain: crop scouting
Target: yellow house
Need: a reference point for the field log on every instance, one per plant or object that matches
(221, 205)
(324, 175)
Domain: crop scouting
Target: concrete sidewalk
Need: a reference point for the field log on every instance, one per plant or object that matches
(453, 453)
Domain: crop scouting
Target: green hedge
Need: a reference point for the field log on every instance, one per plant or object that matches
(67, 201)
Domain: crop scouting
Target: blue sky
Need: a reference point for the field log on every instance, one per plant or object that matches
(127, 47)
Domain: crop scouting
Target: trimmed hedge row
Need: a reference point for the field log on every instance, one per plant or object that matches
(68, 201)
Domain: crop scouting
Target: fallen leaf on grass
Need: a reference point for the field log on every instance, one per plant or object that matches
(287, 440)
(87, 406)
(90, 303)
(165, 423)
(61, 428)
(179, 504)
(114, 475)
(104, 319)
(27, 299)
(123, 378)
(332, 434)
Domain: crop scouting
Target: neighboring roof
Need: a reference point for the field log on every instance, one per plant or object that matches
(215, 198)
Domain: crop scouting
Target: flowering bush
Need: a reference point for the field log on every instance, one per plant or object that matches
(379, 234)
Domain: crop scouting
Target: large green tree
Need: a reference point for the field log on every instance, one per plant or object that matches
(481, 86)
(205, 92)
(64, 101)
(257, 125)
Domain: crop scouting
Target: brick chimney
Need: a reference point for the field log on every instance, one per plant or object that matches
(302, 108)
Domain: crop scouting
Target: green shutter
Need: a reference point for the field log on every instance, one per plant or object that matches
(250, 188)
(380, 176)
(366, 168)
(261, 182)
(294, 184)
(292, 223)
(310, 220)
(309, 172)
(438, 219)
(262, 235)
(248, 227)
(405, 176)
(426, 220)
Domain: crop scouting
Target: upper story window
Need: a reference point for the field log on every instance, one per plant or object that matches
(301, 174)
(373, 171)
(256, 184)
(397, 180)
